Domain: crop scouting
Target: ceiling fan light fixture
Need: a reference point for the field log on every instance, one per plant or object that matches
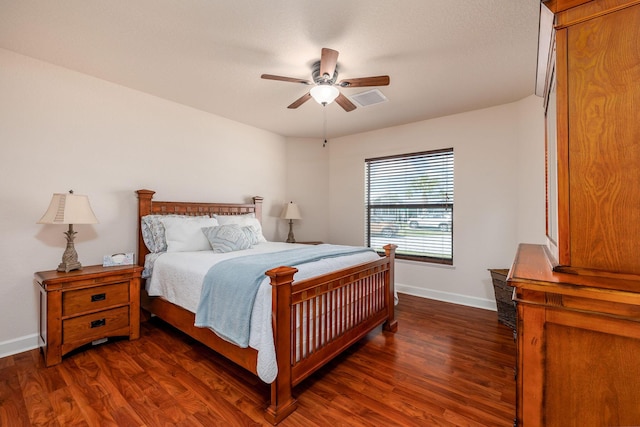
(324, 94)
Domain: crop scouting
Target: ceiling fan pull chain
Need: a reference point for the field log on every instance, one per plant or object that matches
(324, 125)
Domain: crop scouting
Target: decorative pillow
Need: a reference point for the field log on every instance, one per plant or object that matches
(227, 238)
(243, 221)
(252, 234)
(184, 234)
(153, 233)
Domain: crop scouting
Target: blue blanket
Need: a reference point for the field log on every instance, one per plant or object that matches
(229, 288)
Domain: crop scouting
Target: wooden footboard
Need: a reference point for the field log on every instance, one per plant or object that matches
(314, 320)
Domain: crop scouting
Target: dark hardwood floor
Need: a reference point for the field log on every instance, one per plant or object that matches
(447, 365)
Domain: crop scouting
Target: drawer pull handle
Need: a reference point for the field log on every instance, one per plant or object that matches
(98, 323)
(98, 297)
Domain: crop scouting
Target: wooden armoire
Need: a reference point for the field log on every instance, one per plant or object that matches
(578, 296)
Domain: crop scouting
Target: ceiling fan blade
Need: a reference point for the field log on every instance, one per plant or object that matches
(298, 102)
(365, 81)
(344, 102)
(285, 79)
(328, 61)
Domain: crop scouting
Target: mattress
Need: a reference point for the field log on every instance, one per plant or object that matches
(178, 276)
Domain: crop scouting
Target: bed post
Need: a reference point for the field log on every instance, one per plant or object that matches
(391, 324)
(282, 401)
(257, 201)
(144, 208)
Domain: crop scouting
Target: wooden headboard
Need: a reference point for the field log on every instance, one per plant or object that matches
(147, 206)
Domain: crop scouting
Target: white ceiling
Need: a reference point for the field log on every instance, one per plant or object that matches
(443, 57)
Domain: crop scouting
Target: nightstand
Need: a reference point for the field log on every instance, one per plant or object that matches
(88, 305)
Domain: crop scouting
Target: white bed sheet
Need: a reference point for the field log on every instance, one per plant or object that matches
(177, 277)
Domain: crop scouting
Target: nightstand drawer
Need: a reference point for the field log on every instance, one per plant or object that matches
(95, 298)
(96, 325)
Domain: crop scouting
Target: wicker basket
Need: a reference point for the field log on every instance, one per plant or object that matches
(504, 293)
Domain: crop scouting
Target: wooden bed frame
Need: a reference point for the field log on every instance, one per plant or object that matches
(362, 298)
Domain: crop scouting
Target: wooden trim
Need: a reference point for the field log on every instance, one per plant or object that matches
(562, 145)
(590, 10)
(144, 208)
(560, 5)
(531, 360)
(391, 324)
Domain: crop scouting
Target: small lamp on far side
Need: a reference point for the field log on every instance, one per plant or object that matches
(290, 212)
(69, 209)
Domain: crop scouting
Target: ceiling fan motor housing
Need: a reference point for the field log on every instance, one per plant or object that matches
(319, 79)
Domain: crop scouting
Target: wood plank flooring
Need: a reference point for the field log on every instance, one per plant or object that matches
(447, 365)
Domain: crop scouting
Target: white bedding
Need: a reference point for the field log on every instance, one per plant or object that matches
(177, 276)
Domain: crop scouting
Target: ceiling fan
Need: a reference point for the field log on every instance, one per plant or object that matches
(325, 89)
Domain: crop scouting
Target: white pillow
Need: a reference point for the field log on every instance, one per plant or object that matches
(153, 232)
(248, 220)
(228, 238)
(185, 234)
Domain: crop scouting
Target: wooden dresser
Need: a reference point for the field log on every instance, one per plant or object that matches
(578, 346)
(82, 306)
(578, 296)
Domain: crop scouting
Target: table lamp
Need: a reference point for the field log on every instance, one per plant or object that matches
(69, 209)
(290, 212)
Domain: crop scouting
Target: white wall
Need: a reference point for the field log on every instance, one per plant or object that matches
(62, 130)
(499, 192)
(308, 186)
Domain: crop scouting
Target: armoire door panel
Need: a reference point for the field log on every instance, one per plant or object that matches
(592, 378)
(604, 141)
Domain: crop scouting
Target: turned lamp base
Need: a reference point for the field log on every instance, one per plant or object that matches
(70, 256)
(290, 237)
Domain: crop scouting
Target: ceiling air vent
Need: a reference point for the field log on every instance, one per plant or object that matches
(370, 97)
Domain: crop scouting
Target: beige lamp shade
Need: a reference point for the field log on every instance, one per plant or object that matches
(290, 211)
(69, 208)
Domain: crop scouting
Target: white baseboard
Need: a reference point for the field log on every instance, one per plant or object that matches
(18, 345)
(447, 297)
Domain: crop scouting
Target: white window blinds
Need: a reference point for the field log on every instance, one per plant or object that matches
(409, 202)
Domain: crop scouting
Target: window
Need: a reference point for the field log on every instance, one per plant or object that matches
(409, 202)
